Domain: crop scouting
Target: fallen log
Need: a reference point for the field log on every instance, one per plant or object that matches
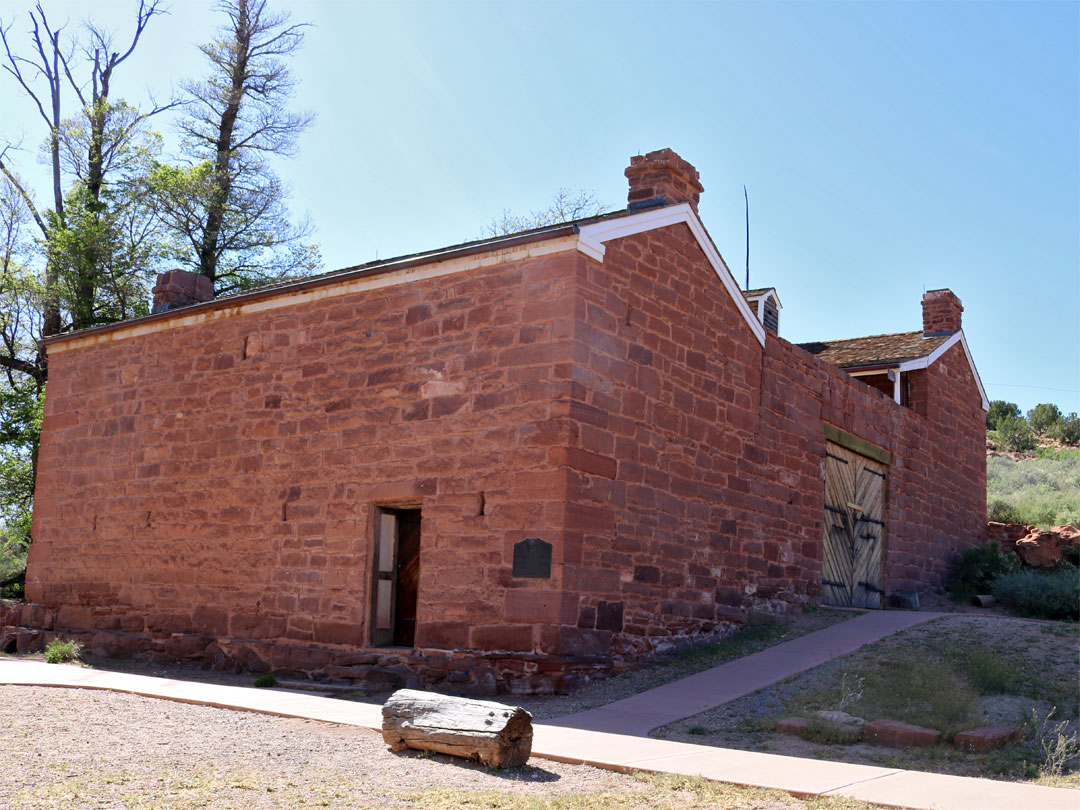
(496, 735)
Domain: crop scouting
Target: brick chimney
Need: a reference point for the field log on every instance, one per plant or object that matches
(941, 311)
(181, 288)
(662, 177)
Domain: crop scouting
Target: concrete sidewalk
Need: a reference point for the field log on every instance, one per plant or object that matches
(888, 786)
(722, 684)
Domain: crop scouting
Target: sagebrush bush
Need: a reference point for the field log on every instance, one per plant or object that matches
(1053, 594)
(1043, 491)
(60, 652)
(978, 568)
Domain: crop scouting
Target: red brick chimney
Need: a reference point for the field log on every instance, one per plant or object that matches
(180, 288)
(941, 311)
(662, 177)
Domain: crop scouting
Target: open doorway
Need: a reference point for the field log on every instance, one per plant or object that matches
(397, 576)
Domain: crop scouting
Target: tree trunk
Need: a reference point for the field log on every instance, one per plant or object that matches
(496, 735)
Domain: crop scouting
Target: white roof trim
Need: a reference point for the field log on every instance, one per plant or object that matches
(590, 247)
(649, 219)
(769, 293)
(956, 337)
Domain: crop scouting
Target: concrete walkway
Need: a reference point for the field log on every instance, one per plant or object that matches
(722, 684)
(804, 777)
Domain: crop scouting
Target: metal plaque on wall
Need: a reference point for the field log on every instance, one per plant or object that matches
(532, 558)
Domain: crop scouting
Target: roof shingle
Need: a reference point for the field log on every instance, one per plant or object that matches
(875, 350)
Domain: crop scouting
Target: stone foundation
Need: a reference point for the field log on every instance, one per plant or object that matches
(27, 628)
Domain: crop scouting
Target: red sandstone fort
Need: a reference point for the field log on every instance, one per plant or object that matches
(509, 464)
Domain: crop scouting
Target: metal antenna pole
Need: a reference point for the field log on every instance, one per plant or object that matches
(747, 199)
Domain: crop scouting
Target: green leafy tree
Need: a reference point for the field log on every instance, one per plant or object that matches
(1000, 409)
(1015, 434)
(227, 209)
(1043, 418)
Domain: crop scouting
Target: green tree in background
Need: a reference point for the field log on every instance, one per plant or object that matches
(1043, 418)
(1000, 409)
(1015, 434)
(1067, 430)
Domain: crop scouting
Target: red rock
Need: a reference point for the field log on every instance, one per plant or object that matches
(1070, 534)
(1040, 548)
(795, 726)
(895, 734)
(987, 738)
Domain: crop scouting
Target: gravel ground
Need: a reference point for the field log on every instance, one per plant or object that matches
(82, 748)
(69, 748)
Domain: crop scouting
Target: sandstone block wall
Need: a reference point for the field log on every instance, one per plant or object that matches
(209, 491)
(221, 479)
(702, 493)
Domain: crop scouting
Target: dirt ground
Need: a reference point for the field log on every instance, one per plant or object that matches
(1043, 656)
(76, 749)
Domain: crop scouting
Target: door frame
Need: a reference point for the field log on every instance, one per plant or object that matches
(383, 637)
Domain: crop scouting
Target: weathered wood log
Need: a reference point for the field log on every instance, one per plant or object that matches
(496, 735)
(983, 600)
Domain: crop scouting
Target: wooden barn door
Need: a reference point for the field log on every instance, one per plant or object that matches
(852, 566)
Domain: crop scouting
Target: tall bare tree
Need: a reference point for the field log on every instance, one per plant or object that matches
(84, 147)
(229, 208)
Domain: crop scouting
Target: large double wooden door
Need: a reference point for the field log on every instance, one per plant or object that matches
(852, 566)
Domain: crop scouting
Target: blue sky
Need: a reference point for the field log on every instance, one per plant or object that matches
(888, 148)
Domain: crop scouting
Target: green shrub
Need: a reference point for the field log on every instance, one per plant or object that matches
(1015, 435)
(60, 652)
(1002, 511)
(1043, 417)
(978, 568)
(1053, 594)
(265, 681)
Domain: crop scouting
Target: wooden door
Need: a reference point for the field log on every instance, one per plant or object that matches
(396, 577)
(852, 573)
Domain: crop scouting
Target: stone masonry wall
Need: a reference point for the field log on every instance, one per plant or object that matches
(218, 481)
(209, 491)
(700, 457)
